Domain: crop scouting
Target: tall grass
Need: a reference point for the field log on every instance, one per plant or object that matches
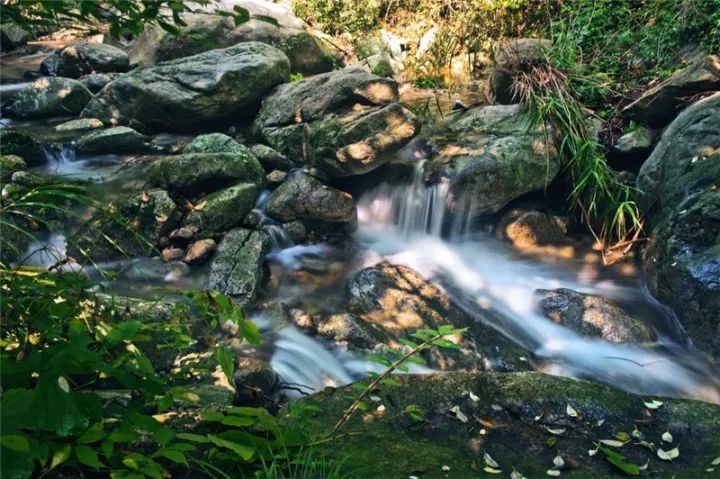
(604, 203)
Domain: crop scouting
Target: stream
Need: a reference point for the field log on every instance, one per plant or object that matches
(409, 224)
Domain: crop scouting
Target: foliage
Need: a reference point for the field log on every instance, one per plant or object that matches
(338, 16)
(121, 16)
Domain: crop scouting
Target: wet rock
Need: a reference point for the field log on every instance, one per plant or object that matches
(344, 123)
(223, 209)
(13, 36)
(13, 142)
(80, 125)
(206, 171)
(490, 155)
(302, 319)
(349, 329)
(510, 59)
(118, 140)
(272, 159)
(296, 230)
(48, 97)
(254, 381)
(661, 103)
(216, 143)
(80, 59)
(307, 53)
(195, 92)
(275, 178)
(9, 164)
(637, 142)
(304, 197)
(238, 266)
(528, 228)
(173, 254)
(200, 251)
(97, 81)
(681, 203)
(145, 218)
(398, 301)
(515, 410)
(183, 235)
(30, 179)
(592, 316)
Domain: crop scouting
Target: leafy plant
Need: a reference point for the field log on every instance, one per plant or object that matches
(296, 77)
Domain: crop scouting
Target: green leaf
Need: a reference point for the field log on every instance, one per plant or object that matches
(193, 437)
(15, 442)
(212, 416)
(267, 19)
(250, 332)
(246, 453)
(619, 461)
(94, 434)
(88, 457)
(242, 15)
(226, 360)
(60, 456)
(174, 455)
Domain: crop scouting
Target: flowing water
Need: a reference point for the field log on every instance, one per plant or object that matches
(410, 224)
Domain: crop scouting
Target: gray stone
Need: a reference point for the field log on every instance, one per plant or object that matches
(118, 140)
(593, 316)
(215, 87)
(275, 178)
(344, 123)
(271, 159)
(348, 328)
(636, 142)
(529, 228)
(304, 197)
(238, 266)
(661, 103)
(80, 59)
(200, 251)
(48, 97)
(681, 203)
(209, 171)
(14, 142)
(223, 209)
(97, 81)
(12, 36)
(80, 124)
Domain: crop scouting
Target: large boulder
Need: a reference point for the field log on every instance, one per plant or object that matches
(306, 198)
(238, 268)
(14, 142)
(118, 140)
(452, 425)
(490, 155)
(80, 59)
(510, 59)
(48, 97)
(680, 185)
(525, 228)
(397, 301)
(344, 123)
(12, 36)
(661, 103)
(269, 23)
(196, 92)
(193, 172)
(223, 209)
(132, 227)
(592, 316)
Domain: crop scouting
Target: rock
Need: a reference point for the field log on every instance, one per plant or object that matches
(173, 254)
(490, 155)
(510, 59)
(254, 380)
(661, 103)
(238, 266)
(215, 143)
(211, 171)
(638, 141)
(80, 124)
(296, 230)
(304, 197)
(30, 179)
(529, 228)
(348, 328)
(401, 445)
(275, 178)
(308, 54)
(145, 218)
(592, 316)
(97, 81)
(681, 203)
(344, 123)
(302, 319)
(397, 301)
(9, 164)
(118, 140)
(183, 235)
(200, 251)
(80, 59)
(223, 209)
(195, 92)
(271, 159)
(12, 36)
(14, 142)
(48, 97)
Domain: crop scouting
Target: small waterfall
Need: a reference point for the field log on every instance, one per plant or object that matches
(279, 237)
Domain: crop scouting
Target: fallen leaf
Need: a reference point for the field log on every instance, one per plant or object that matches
(558, 461)
(144, 197)
(491, 470)
(552, 472)
(516, 475)
(558, 431)
(716, 461)
(458, 413)
(473, 397)
(648, 445)
(668, 455)
(490, 461)
(592, 452)
(200, 206)
(645, 466)
(445, 468)
(570, 411)
(653, 404)
(622, 436)
(667, 437)
(612, 442)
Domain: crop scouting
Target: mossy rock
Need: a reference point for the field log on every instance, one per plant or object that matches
(14, 142)
(508, 416)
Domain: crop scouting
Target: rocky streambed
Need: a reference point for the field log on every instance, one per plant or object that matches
(343, 222)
